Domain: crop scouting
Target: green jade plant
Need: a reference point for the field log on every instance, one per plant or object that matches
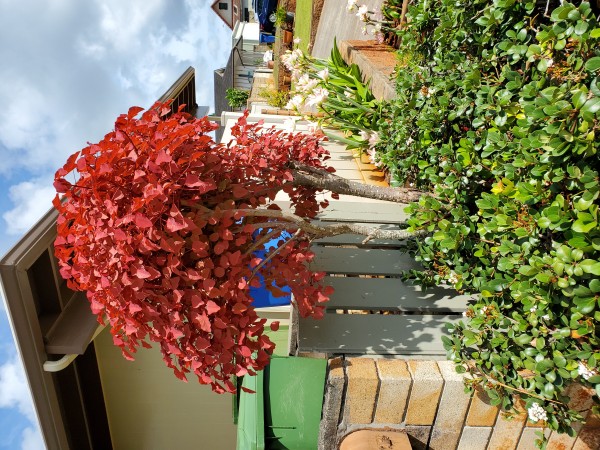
(498, 115)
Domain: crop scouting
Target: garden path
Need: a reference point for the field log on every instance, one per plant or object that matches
(337, 22)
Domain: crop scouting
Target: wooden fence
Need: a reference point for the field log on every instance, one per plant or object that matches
(373, 311)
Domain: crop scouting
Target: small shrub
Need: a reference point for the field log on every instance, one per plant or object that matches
(236, 98)
(275, 98)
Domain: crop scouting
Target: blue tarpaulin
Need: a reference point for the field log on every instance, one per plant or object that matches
(261, 295)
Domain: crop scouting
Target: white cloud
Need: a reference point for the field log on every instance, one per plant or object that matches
(14, 393)
(31, 199)
(32, 439)
(14, 390)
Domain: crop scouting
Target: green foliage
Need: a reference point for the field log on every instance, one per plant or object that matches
(345, 99)
(275, 98)
(498, 116)
(280, 16)
(236, 98)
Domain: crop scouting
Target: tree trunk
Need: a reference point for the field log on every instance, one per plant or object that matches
(291, 221)
(309, 176)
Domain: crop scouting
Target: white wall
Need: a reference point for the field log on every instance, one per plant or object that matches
(148, 408)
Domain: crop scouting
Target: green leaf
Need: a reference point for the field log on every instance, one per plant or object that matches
(559, 360)
(592, 64)
(581, 27)
(583, 226)
(590, 266)
(523, 339)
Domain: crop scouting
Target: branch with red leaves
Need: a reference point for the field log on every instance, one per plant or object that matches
(161, 228)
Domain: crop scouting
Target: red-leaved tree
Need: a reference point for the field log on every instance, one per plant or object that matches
(160, 226)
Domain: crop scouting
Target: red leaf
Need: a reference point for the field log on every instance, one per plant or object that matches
(142, 221)
(134, 307)
(220, 247)
(212, 307)
(163, 157)
(196, 301)
(204, 323)
(193, 181)
(239, 191)
(174, 225)
(61, 185)
(134, 111)
(239, 308)
(141, 272)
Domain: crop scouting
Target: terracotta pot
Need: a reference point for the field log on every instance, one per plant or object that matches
(376, 440)
(287, 37)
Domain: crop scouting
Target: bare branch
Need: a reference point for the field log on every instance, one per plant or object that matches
(310, 176)
(273, 253)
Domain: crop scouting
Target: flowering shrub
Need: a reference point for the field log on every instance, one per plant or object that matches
(372, 19)
(335, 89)
(160, 229)
(498, 116)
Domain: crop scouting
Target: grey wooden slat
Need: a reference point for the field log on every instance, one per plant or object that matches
(358, 261)
(357, 240)
(374, 334)
(364, 212)
(392, 294)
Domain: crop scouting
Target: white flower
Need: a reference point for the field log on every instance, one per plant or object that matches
(409, 141)
(536, 412)
(289, 124)
(533, 309)
(364, 135)
(546, 317)
(364, 30)
(464, 314)
(453, 277)
(297, 40)
(373, 157)
(351, 6)
(312, 127)
(306, 84)
(317, 97)
(585, 372)
(362, 13)
(549, 62)
(373, 139)
(324, 74)
(295, 102)
(296, 74)
(268, 56)
(292, 60)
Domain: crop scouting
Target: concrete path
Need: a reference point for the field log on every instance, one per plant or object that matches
(337, 22)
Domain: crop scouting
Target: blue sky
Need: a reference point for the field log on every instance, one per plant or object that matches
(69, 68)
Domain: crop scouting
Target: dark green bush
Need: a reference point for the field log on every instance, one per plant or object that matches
(498, 116)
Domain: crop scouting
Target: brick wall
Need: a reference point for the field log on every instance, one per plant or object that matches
(427, 400)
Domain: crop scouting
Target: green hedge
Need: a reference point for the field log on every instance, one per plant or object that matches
(498, 116)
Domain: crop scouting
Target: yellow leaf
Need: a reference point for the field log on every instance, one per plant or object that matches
(498, 188)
